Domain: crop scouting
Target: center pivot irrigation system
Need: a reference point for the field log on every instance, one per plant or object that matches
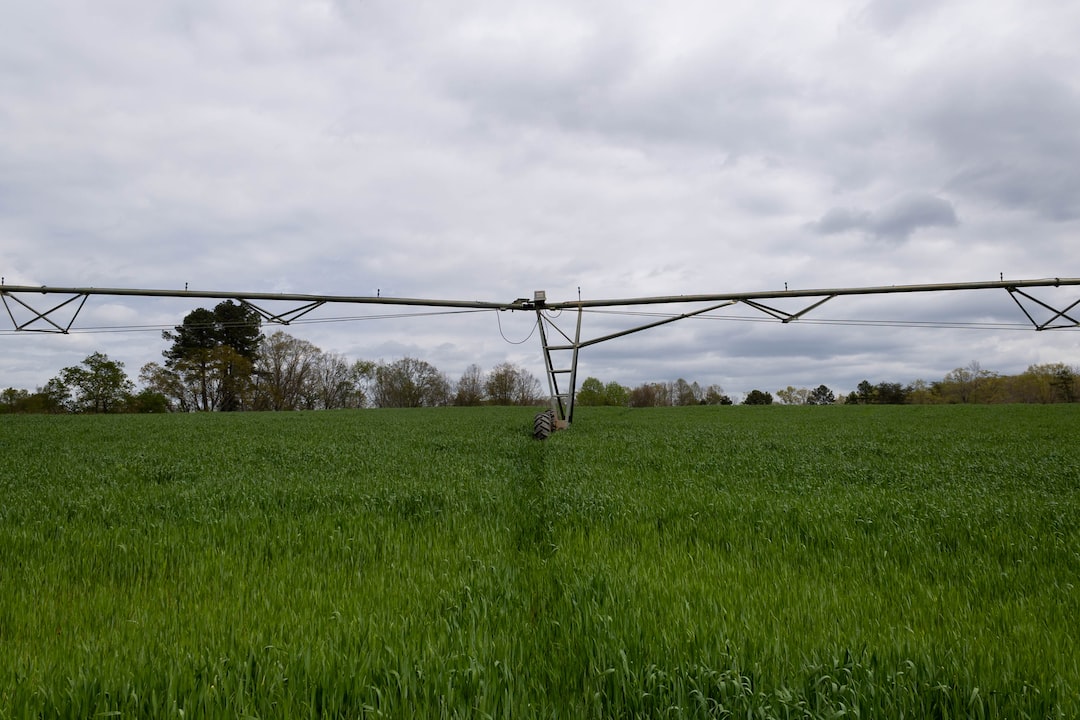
(560, 346)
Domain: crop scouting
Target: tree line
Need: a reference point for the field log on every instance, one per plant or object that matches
(219, 360)
(1040, 383)
(655, 394)
(682, 393)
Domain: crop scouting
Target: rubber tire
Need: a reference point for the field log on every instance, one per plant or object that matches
(543, 425)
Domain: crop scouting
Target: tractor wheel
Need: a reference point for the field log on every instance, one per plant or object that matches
(543, 425)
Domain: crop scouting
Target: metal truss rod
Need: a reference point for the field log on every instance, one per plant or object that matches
(286, 317)
(306, 303)
(639, 328)
(43, 315)
(525, 304)
(818, 292)
(563, 401)
(1073, 322)
(786, 317)
(249, 297)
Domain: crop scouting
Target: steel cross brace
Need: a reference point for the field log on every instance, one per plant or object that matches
(43, 316)
(286, 317)
(562, 398)
(782, 315)
(1062, 313)
(59, 328)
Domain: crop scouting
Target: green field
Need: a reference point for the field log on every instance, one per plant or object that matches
(789, 562)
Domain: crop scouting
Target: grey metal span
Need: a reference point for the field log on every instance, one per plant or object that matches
(560, 347)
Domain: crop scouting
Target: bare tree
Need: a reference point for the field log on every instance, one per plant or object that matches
(685, 394)
(526, 388)
(714, 395)
(651, 395)
(793, 395)
(966, 384)
(336, 383)
(285, 372)
(409, 382)
(470, 388)
(508, 384)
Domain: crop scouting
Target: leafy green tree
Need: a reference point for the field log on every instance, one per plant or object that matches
(594, 392)
(616, 394)
(920, 392)
(54, 396)
(1045, 383)
(959, 385)
(591, 393)
(97, 385)
(216, 351)
(758, 397)
(821, 395)
(147, 401)
(865, 393)
(1064, 382)
(888, 393)
(229, 323)
(12, 400)
(49, 399)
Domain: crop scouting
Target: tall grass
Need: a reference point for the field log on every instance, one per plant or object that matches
(690, 562)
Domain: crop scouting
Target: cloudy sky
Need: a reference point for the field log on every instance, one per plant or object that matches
(485, 150)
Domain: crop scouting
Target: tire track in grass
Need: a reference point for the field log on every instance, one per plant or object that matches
(534, 522)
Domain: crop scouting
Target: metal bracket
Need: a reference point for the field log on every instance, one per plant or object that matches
(1057, 314)
(782, 315)
(563, 394)
(42, 316)
(283, 318)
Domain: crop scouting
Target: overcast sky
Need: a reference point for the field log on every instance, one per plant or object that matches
(485, 150)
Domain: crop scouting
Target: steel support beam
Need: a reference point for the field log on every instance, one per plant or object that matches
(562, 377)
(526, 304)
(828, 293)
